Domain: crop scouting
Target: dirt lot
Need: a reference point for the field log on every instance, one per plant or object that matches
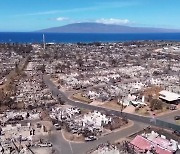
(145, 111)
(153, 91)
(80, 97)
(117, 123)
(112, 105)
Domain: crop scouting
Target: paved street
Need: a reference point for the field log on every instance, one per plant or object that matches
(147, 120)
(61, 146)
(64, 147)
(82, 148)
(170, 117)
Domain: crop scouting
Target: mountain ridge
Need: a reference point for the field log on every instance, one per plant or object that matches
(88, 27)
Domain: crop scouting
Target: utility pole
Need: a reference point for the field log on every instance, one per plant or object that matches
(44, 43)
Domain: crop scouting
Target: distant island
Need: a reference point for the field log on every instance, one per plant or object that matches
(105, 28)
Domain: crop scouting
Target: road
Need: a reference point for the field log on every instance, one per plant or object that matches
(64, 147)
(170, 117)
(59, 144)
(147, 120)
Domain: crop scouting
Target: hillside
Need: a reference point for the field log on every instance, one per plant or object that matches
(104, 28)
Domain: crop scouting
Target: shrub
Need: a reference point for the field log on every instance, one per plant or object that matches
(156, 104)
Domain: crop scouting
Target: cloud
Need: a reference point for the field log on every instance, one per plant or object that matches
(40, 13)
(61, 18)
(59, 11)
(113, 21)
(118, 3)
(97, 6)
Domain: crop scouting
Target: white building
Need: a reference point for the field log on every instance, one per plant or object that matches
(169, 97)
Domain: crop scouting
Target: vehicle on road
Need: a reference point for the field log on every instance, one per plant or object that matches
(90, 138)
(177, 118)
(176, 132)
(57, 126)
(172, 107)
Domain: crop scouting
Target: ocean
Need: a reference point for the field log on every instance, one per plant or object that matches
(23, 37)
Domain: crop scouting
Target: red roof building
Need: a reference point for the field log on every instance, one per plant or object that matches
(143, 144)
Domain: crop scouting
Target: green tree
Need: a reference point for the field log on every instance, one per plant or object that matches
(156, 104)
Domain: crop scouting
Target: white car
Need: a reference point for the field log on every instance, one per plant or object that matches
(45, 144)
(57, 126)
(91, 138)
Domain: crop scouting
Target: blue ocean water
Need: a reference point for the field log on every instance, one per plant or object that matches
(22, 37)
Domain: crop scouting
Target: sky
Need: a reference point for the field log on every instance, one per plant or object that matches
(32, 15)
